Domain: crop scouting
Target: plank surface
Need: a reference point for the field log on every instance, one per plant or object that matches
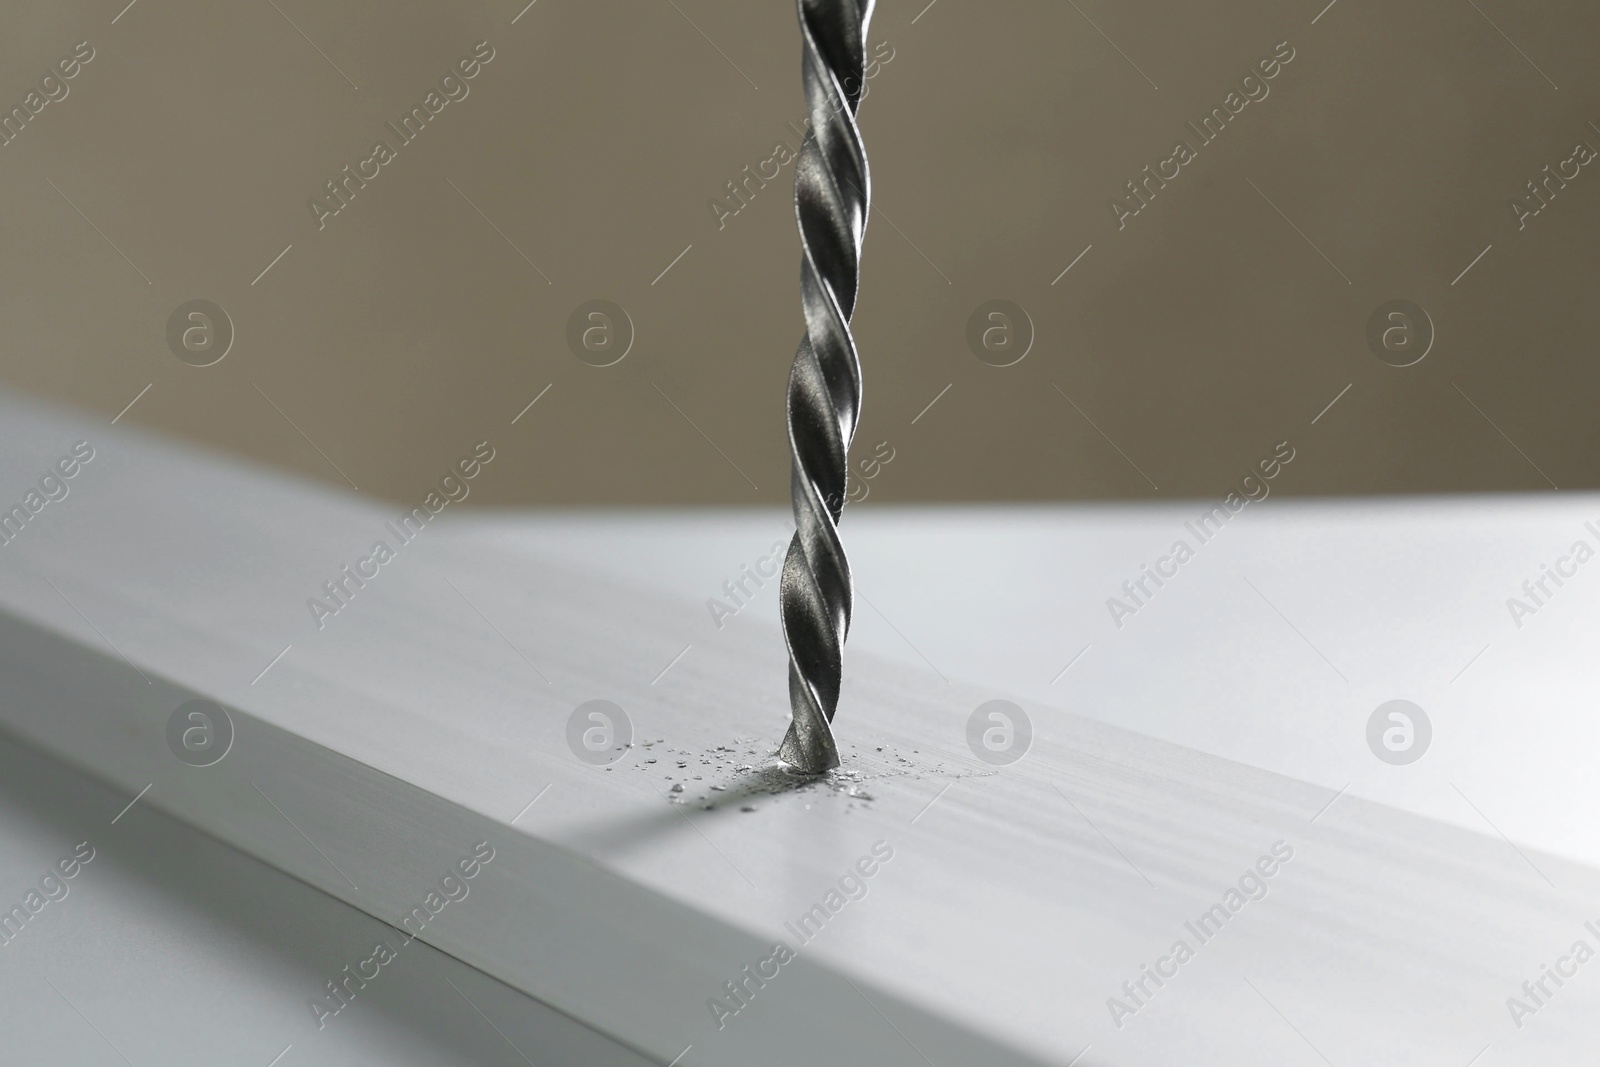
(169, 947)
(1272, 647)
(427, 713)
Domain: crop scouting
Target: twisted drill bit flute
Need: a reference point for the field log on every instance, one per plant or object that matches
(831, 196)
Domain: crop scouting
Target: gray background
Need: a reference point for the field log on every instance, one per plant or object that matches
(1221, 321)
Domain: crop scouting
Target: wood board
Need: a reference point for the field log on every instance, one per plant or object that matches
(428, 713)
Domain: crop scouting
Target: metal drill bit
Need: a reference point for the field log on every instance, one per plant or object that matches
(831, 196)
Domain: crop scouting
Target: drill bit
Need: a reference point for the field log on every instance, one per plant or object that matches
(824, 402)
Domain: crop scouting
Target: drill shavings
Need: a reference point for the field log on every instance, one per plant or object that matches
(741, 773)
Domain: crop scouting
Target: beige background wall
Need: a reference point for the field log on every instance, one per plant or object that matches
(434, 307)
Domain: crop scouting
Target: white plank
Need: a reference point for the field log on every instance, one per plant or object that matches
(171, 948)
(1407, 598)
(1013, 908)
